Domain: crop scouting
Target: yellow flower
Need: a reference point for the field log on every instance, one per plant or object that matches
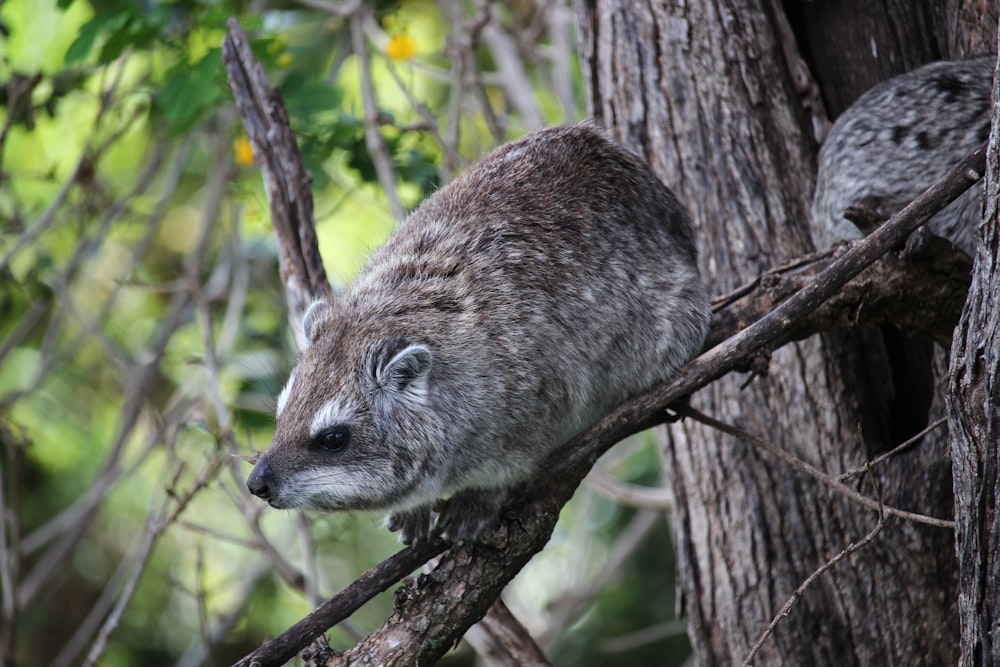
(243, 152)
(401, 47)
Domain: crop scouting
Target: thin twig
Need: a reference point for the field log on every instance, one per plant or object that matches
(797, 594)
(568, 606)
(906, 444)
(502, 640)
(90, 155)
(344, 9)
(373, 138)
(643, 637)
(290, 574)
(811, 470)
(199, 648)
(654, 499)
(513, 77)
(285, 646)
(154, 529)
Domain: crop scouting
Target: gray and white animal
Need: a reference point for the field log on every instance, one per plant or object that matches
(899, 138)
(553, 280)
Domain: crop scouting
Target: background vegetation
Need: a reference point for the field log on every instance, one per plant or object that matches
(143, 334)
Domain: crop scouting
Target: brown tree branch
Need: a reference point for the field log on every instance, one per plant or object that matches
(505, 641)
(433, 613)
(285, 646)
(922, 293)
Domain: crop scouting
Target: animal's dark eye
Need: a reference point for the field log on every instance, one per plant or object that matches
(334, 439)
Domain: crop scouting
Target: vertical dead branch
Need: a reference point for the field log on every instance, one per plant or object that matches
(286, 179)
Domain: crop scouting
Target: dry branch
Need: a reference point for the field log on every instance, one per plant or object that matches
(504, 641)
(433, 613)
(920, 293)
(809, 581)
(286, 180)
(285, 646)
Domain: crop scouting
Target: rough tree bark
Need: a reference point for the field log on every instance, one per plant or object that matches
(974, 418)
(712, 95)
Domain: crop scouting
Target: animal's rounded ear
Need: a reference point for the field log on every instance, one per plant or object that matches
(406, 373)
(314, 313)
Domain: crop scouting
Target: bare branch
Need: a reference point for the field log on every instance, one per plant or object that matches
(373, 138)
(653, 633)
(632, 495)
(811, 470)
(336, 8)
(787, 607)
(502, 639)
(901, 447)
(513, 76)
(923, 294)
(285, 646)
(176, 502)
(286, 179)
(568, 606)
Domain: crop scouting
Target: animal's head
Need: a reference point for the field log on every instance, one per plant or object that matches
(349, 421)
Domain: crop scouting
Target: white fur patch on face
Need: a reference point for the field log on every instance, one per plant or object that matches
(330, 488)
(283, 396)
(333, 413)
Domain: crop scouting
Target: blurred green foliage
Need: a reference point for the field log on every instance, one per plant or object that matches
(143, 333)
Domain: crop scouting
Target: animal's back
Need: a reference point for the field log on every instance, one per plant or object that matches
(899, 138)
(557, 278)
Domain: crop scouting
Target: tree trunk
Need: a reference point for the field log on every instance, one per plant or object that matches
(705, 92)
(974, 412)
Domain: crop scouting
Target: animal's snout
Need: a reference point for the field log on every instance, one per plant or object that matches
(259, 482)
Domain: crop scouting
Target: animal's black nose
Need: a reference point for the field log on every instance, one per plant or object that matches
(257, 482)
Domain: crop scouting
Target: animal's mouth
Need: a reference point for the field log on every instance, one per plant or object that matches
(277, 503)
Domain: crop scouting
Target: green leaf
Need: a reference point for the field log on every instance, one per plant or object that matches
(305, 97)
(416, 168)
(93, 29)
(191, 91)
(83, 43)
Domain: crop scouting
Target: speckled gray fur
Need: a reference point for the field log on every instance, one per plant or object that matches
(899, 138)
(553, 280)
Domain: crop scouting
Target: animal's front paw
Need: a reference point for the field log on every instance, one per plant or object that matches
(468, 513)
(414, 525)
